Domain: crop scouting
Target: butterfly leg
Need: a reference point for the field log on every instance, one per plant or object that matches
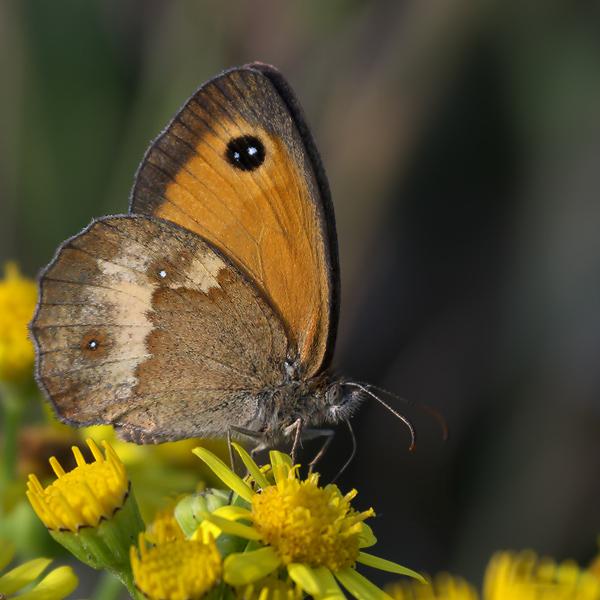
(328, 434)
(296, 426)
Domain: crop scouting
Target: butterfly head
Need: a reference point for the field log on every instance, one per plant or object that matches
(341, 401)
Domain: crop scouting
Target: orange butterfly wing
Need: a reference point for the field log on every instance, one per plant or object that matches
(238, 166)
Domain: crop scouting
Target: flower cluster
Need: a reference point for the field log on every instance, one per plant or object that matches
(511, 576)
(273, 535)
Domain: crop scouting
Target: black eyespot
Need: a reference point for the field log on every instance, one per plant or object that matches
(93, 345)
(246, 152)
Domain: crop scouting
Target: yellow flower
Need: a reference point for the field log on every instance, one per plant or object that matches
(84, 496)
(164, 528)
(91, 510)
(270, 588)
(512, 577)
(312, 532)
(443, 587)
(176, 570)
(18, 297)
(57, 584)
(158, 472)
(524, 577)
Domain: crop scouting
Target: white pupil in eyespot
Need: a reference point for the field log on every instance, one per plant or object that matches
(162, 273)
(252, 151)
(236, 155)
(92, 345)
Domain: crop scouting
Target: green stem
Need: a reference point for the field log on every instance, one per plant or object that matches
(13, 404)
(109, 587)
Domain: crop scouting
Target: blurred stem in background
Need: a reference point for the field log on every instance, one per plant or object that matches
(13, 408)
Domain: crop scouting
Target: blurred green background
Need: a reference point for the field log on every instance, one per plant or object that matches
(462, 144)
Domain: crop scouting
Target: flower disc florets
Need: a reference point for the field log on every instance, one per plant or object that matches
(176, 570)
(309, 524)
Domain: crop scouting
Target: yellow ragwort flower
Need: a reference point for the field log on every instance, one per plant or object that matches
(270, 588)
(57, 584)
(311, 532)
(524, 577)
(176, 570)
(164, 528)
(443, 587)
(84, 496)
(18, 297)
(511, 576)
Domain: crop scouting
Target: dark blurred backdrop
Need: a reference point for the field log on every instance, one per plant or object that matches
(462, 143)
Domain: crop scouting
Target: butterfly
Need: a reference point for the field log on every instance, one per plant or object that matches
(212, 306)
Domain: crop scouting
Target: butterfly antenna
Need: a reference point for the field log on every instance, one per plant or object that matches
(352, 453)
(432, 412)
(366, 390)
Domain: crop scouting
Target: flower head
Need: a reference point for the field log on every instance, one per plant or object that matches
(270, 588)
(91, 510)
(309, 524)
(176, 570)
(18, 296)
(511, 576)
(57, 584)
(298, 527)
(84, 496)
(164, 528)
(524, 577)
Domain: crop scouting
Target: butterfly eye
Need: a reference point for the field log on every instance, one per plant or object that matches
(246, 152)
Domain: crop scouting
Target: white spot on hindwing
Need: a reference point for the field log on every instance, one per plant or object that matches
(205, 270)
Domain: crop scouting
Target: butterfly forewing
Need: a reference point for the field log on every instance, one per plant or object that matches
(146, 326)
(238, 167)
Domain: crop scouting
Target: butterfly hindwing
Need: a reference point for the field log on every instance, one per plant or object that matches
(146, 326)
(237, 165)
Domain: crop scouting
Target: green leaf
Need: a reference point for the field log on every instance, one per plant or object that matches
(247, 567)
(360, 587)
(387, 565)
(224, 473)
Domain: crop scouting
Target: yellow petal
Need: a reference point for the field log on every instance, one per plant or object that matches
(205, 530)
(317, 582)
(7, 552)
(224, 473)
(252, 467)
(281, 464)
(233, 528)
(233, 513)
(367, 537)
(387, 565)
(242, 568)
(58, 584)
(22, 575)
(360, 587)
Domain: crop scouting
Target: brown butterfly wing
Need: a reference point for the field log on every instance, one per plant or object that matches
(272, 215)
(144, 325)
